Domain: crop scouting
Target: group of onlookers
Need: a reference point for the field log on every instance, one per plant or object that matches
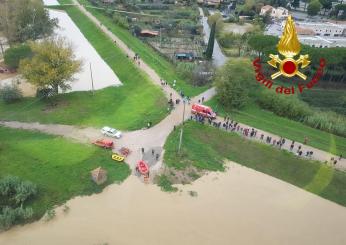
(233, 126)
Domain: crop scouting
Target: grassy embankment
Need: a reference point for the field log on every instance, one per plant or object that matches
(326, 99)
(160, 64)
(206, 147)
(129, 106)
(59, 167)
(253, 115)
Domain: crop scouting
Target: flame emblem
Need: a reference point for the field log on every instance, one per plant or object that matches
(289, 47)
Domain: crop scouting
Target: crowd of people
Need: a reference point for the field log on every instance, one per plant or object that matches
(251, 133)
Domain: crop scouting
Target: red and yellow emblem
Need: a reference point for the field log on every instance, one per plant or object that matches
(289, 47)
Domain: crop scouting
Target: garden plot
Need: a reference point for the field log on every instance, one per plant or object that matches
(103, 75)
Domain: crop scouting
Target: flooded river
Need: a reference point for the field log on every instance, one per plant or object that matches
(241, 206)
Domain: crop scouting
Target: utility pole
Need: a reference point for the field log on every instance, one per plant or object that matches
(181, 130)
(92, 79)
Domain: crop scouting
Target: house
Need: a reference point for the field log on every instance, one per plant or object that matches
(148, 33)
(278, 13)
(99, 175)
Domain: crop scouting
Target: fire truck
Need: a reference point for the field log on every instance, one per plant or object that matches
(203, 110)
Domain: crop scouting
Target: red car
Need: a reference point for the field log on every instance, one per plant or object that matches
(107, 144)
(203, 110)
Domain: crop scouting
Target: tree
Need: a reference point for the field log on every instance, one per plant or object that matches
(262, 43)
(314, 7)
(22, 20)
(14, 54)
(52, 66)
(203, 73)
(233, 83)
(295, 4)
(326, 4)
(10, 94)
(210, 47)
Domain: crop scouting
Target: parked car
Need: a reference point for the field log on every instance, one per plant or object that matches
(111, 132)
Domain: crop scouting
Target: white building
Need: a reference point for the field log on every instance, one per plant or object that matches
(278, 13)
(326, 29)
(315, 34)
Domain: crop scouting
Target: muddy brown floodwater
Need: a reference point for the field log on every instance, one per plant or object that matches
(241, 206)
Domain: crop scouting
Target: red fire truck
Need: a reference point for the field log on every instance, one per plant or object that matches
(203, 110)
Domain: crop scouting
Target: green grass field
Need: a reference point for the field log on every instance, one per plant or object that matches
(159, 63)
(253, 115)
(129, 106)
(205, 147)
(59, 167)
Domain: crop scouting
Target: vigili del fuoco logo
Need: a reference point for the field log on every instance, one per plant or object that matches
(287, 65)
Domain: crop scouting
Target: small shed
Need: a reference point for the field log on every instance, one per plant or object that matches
(184, 56)
(99, 175)
(148, 33)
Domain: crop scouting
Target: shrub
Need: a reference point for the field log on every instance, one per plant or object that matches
(120, 20)
(233, 83)
(165, 183)
(185, 69)
(13, 193)
(10, 94)
(285, 106)
(14, 54)
(327, 121)
(10, 216)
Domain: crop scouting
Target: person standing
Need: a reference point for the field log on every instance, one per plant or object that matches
(306, 139)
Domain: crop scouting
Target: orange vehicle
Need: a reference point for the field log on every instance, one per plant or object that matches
(142, 167)
(107, 144)
(203, 110)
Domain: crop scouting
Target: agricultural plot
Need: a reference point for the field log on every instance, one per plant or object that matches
(168, 27)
